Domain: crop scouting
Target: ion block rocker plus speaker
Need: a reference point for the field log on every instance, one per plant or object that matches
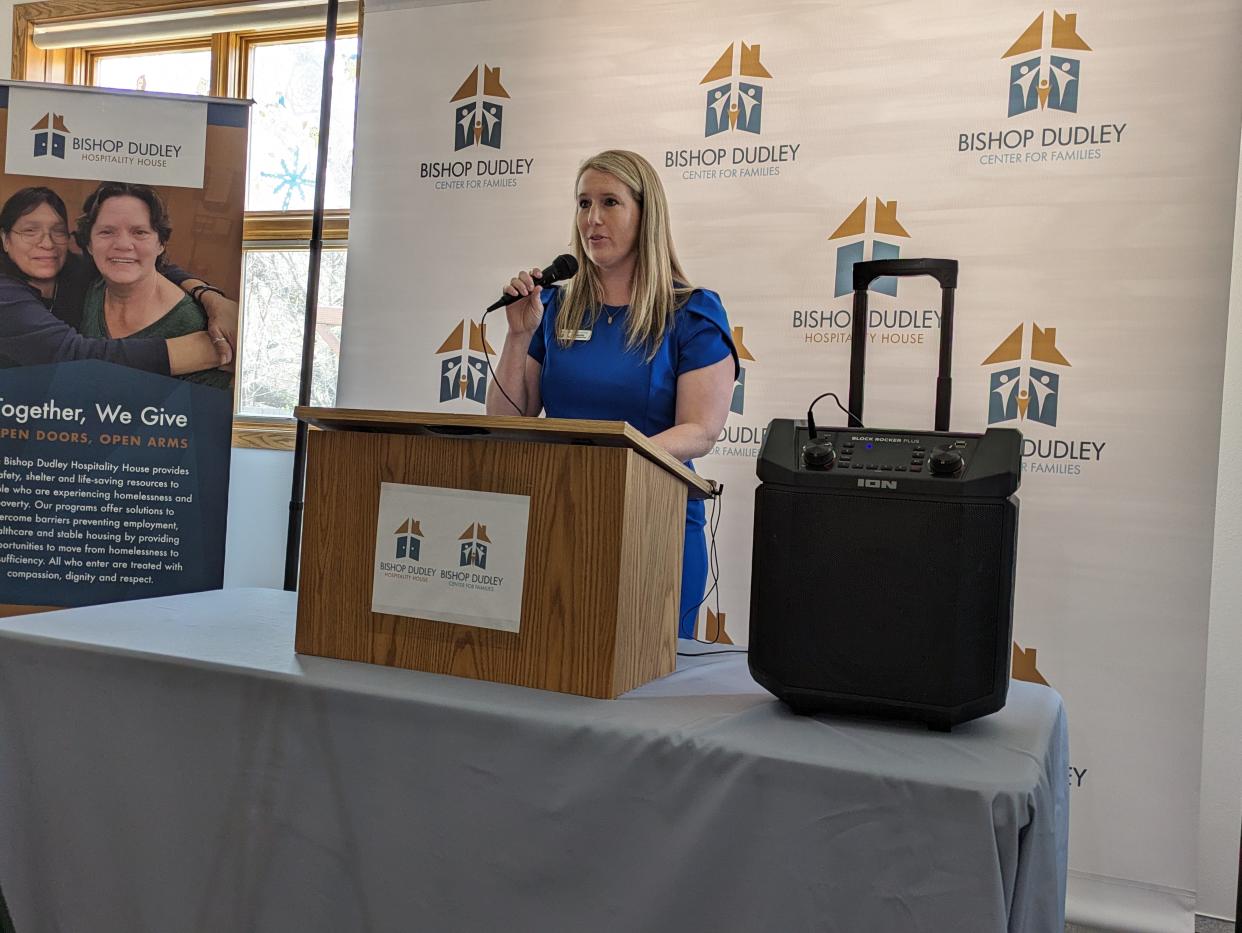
(883, 563)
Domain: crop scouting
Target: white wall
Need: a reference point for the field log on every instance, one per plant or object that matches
(259, 488)
(1220, 813)
(258, 512)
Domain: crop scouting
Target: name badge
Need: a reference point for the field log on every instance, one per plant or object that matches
(576, 335)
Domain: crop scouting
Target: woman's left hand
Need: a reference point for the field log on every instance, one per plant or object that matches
(222, 314)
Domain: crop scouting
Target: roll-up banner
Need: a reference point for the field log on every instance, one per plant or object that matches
(115, 207)
(1079, 161)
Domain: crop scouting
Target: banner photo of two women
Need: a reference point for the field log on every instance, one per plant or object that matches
(120, 270)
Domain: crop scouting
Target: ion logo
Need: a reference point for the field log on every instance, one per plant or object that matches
(1044, 77)
(877, 483)
(479, 117)
(884, 222)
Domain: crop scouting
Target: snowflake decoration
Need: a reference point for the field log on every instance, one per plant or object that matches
(292, 178)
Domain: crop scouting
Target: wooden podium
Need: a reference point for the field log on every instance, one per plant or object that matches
(603, 550)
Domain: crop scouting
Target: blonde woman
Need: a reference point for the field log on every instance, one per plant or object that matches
(627, 339)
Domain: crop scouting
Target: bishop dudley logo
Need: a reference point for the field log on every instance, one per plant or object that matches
(474, 543)
(408, 543)
(734, 108)
(871, 230)
(854, 230)
(1024, 389)
(463, 365)
(1045, 76)
(50, 134)
(740, 440)
(480, 116)
(735, 104)
(478, 125)
(1026, 668)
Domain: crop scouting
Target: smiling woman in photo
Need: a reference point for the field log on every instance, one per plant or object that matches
(42, 287)
(124, 229)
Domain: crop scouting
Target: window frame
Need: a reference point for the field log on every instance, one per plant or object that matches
(91, 57)
(230, 75)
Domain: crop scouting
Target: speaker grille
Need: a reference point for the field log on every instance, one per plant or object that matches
(879, 596)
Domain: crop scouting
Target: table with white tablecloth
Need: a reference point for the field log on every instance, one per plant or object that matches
(172, 765)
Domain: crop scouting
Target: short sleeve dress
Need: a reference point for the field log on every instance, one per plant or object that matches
(597, 377)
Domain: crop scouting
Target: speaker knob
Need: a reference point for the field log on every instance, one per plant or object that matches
(819, 455)
(945, 462)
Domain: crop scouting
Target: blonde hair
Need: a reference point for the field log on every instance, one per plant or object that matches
(659, 286)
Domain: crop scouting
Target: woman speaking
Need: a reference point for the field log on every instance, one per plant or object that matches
(627, 339)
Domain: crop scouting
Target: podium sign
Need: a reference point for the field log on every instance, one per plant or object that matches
(452, 555)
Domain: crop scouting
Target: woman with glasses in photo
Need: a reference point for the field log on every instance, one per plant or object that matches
(42, 289)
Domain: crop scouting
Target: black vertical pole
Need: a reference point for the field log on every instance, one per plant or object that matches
(944, 372)
(293, 543)
(858, 356)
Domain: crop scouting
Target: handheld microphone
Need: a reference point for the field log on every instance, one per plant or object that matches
(563, 267)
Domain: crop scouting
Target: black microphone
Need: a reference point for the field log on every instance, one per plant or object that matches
(563, 267)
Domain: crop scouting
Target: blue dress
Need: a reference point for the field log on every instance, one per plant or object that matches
(600, 379)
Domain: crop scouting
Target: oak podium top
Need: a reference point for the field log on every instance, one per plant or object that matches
(508, 428)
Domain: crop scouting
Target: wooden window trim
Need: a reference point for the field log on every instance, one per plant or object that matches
(288, 226)
(91, 57)
(254, 433)
(32, 64)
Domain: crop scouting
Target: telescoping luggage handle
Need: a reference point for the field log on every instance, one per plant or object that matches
(945, 272)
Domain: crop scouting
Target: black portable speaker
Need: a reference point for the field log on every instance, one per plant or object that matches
(883, 565)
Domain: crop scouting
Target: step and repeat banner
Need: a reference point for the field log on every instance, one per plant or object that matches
(1080, 162)
(114, 475)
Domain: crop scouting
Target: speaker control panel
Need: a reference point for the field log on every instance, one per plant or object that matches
(875, 460)
(864, 451)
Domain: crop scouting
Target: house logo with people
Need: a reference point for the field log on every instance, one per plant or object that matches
(1045, 65)
(463, 363)
(1024, 388)
(734, 94)
(1026, 385)
(480, 111)
(1044, 70)
(408, 535)
(474, 543)
(50, 135)
(478, 118)
(738, 404)
(733, 114)
(871, 231)
(738, 438)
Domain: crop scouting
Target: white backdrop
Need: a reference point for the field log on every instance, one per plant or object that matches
(1105, 251)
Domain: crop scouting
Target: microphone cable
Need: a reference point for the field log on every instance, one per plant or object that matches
(487, 356)
(713, 564)
(810, 418)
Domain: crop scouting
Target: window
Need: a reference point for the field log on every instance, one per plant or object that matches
(279, 67)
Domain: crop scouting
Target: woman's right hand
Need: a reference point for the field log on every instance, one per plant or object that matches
(524, 315)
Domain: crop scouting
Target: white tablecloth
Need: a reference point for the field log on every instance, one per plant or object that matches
(171, 765)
